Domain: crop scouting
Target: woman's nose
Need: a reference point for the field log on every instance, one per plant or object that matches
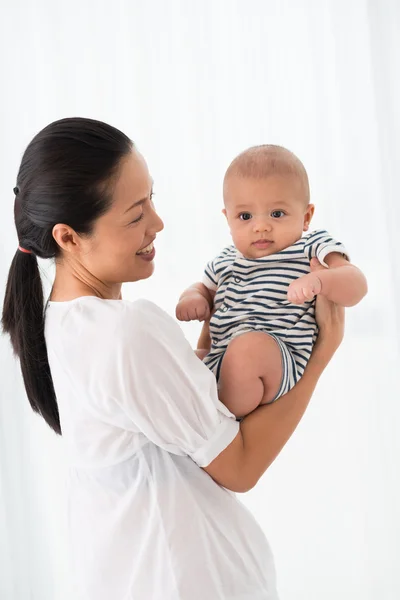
(157, 224)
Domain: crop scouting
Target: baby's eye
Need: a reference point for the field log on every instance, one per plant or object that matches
(245, 216)
(277, 214)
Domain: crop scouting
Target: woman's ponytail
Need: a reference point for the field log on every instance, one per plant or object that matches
(67, 175)
(23, 320)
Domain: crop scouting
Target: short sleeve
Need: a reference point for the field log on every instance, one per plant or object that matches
(166, 391)
(319, 244)
(210, 277)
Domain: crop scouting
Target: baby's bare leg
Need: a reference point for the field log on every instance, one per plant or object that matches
(251, 372)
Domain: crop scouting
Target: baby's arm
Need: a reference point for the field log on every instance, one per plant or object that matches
(195, 304)
(342, 283)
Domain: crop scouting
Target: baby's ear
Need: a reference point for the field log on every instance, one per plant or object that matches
(308, 216)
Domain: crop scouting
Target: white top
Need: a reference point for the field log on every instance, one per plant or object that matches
(140, 415)
(251, 295)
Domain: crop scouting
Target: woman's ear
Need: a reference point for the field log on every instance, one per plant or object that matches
(66, 238)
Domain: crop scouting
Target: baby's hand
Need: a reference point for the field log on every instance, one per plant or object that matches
(193, 307)
(304, 289)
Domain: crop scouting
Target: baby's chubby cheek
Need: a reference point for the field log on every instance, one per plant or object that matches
(242, 242)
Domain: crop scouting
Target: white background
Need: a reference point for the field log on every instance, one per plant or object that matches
(194, 83)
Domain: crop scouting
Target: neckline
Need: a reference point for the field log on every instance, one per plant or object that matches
(80, 298)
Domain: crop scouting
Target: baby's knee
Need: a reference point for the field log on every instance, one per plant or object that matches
(250, 372)
(249, 352)
(237, 357)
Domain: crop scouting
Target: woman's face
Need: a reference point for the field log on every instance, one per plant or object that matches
(121, 246)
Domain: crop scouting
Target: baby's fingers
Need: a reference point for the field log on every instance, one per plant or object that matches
(308, 293)
(202, 313)
(295, 296)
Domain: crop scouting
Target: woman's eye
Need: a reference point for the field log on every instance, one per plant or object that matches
(138, 219)
(245, 216)
(277, 214)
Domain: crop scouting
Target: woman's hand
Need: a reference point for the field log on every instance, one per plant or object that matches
(330, 319)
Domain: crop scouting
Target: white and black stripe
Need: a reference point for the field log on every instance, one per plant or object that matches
(251, 295)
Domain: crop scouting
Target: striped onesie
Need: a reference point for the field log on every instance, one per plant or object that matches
(251, 295)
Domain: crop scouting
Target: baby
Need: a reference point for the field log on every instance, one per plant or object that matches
(261, 291)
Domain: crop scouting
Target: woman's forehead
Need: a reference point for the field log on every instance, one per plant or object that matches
(134, 182)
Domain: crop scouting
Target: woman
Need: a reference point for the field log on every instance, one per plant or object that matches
(154, 456)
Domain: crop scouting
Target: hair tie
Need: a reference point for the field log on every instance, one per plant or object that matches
(16, 190)
(23, 250)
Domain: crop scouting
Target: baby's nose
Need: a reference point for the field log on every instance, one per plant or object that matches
(262, 224)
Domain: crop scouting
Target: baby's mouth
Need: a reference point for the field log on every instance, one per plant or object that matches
(262, 243)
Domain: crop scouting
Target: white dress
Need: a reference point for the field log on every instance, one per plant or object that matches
(140, 415)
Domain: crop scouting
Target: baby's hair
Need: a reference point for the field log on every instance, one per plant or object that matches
(265, 160)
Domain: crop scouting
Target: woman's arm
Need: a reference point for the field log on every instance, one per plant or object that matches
(204, 341)
(343, 282)
(264, 432)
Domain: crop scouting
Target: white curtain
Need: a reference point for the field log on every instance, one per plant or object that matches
(193, 83)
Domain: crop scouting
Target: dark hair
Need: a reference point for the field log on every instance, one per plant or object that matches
(65, 177)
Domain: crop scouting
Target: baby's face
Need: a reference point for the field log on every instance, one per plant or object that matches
(266, 215)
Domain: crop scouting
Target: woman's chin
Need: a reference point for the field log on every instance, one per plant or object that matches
(144, 271)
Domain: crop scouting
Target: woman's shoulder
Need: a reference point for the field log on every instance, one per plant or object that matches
(113, 331)
(152, 321)
(144, 307)
(141, 326)
(119, 318)
(91, 305)
(144, 313)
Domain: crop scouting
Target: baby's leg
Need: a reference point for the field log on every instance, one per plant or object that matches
(251, 372)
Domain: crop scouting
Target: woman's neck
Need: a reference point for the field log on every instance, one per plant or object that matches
(75, 283)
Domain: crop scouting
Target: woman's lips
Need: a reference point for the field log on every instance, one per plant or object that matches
(147, 253)
(149, 257)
